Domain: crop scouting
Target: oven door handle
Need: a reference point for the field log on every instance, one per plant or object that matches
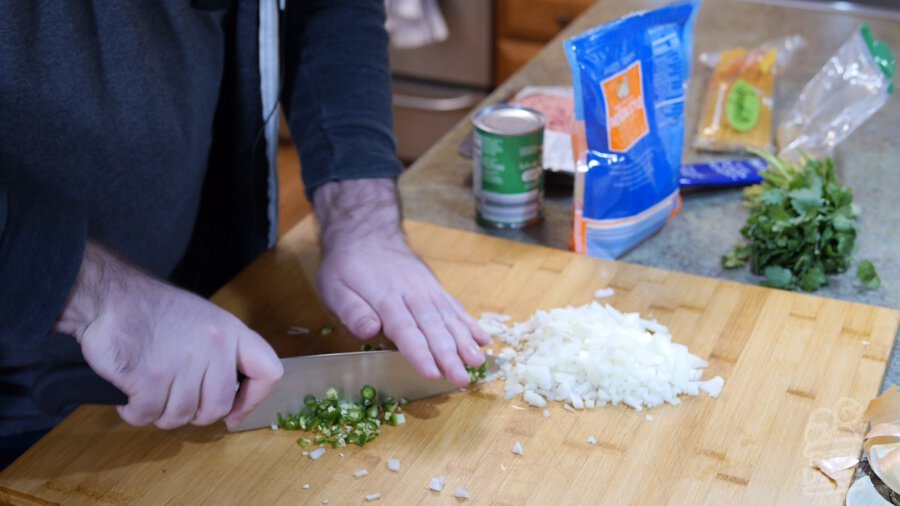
(457, 103)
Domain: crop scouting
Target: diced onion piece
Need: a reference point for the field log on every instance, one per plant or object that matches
(461, 493)
(604, 293)
(568, 408)
(830, 467)
(373, 497)
(591, 440)
(315, 454)
(436, 484)
(361, 473)
(274, 426)
(306, 485)
(649, 418)
(517, 449)
(546, 413)
(498, 317)
(393, 465)
(712, 386)
(534, 399)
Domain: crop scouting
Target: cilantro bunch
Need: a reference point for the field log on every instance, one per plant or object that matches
(802, 227)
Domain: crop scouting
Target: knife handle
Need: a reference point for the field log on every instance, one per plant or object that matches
(57, 389)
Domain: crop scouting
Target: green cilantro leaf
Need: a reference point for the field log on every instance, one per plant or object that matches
(865, 271)
(778, 277)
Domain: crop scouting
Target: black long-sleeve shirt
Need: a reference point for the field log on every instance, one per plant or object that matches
(138, 125)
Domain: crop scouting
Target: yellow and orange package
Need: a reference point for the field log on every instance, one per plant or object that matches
(737, 109)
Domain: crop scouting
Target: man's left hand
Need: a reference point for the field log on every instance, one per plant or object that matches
(373, 281)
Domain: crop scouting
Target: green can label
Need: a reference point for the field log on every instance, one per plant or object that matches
(508, 177)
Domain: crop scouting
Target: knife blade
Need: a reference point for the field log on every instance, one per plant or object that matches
(388, 371)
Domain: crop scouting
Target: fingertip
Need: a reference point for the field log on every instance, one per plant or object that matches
(474, 357)
(130, 417)
(366, 327)
(233, 420)
(481, 337)
(459, 378)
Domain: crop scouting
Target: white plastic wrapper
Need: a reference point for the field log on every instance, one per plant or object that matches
(850, 88)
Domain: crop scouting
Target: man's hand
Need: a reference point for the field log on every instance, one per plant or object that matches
(372, 280)
(174, 354)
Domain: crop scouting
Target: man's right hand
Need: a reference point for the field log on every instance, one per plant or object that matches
(175, 355)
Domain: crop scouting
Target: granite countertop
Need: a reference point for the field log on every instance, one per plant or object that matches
(437, 188)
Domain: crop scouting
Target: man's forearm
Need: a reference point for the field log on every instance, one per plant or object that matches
(358, 210)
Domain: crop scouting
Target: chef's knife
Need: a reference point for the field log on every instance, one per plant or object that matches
(62, 388)
(387, 371)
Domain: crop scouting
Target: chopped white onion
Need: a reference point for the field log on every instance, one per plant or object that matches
(306, 485)
(517, 449)
(534, 399)
(591, 440)
(595, 355)
(361, 473)
(393, 465)
(315, 454)
(604, 293)
(546, 413)
(373, 497)
(436, 484)
(649, 418)
(461, 493)
(712, 386)
(274, 426)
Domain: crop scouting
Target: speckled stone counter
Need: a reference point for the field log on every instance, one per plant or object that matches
(437, 188)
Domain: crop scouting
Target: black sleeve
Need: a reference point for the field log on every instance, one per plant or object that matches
(337, 90)
(41, 245)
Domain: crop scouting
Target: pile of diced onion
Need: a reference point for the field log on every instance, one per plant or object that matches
(594, 355)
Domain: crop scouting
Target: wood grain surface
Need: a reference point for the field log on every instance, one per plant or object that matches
(798, 372)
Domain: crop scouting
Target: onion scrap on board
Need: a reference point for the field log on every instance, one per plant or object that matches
(882, 449)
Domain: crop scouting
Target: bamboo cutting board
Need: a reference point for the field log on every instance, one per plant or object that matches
(798, 372)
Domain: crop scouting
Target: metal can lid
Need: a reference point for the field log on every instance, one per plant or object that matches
(506, 119)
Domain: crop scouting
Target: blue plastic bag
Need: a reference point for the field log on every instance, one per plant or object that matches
(630, 81)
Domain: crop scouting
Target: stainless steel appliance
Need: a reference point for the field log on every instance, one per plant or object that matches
(436, 86)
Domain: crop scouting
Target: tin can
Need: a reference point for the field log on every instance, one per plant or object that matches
(508, 177)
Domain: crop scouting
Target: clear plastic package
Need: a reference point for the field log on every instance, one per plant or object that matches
(850, 88)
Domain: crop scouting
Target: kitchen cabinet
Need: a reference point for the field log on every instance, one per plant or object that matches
(523, 27)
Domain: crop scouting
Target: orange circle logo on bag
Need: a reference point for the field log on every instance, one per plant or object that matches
(626, 115)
